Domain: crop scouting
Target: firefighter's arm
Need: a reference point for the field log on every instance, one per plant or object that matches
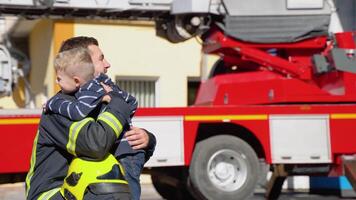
(89, 138)
(150, 148)
(140, 138)
(96, 138)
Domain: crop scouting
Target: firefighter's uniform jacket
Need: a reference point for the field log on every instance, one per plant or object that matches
(58, 140)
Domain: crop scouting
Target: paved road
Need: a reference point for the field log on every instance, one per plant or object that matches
(16, 192)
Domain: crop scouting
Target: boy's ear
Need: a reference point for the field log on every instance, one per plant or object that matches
(77, 81)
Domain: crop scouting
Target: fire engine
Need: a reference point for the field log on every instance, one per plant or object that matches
(283, 93)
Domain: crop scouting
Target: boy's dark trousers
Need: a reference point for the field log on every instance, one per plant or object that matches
(133, 165)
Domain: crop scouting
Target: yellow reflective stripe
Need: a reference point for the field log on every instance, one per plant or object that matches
(224, 117)
(20, 121)
(110, 181)
(112, 121)
(33, 162)
(343, 116)
(47, 195)
(73, 134)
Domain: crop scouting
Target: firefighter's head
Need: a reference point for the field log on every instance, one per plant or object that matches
(100, 63)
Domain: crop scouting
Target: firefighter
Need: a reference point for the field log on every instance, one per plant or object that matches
(93, 172)
(139, 144)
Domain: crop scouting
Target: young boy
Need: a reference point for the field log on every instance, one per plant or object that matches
(89, 94)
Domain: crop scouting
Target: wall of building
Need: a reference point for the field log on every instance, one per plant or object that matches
(41, 51)
(134, 50)
(7, 102)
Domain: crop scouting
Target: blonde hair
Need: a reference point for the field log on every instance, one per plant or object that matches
(75, 62)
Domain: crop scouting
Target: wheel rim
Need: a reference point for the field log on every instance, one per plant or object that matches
(227, 170)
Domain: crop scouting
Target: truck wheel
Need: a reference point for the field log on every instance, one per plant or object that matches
(224, 167)
(171, 183)
(166, 190)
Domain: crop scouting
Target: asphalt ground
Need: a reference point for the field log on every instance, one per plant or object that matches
(16, 191)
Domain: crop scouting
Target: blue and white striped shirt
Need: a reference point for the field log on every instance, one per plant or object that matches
(87, 98)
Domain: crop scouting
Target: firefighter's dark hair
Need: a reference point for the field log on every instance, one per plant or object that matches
(77, 42)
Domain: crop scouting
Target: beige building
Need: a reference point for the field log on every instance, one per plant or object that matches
(152, 69)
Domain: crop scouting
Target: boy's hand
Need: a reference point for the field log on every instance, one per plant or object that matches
(137, 138)
(106, 99)
(107, 88)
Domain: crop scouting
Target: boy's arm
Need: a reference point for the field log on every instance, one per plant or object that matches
(131, 100)
(55, 104)
(76, 109)
(88, 138)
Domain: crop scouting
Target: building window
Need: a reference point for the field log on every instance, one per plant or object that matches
(142, 89)
(193, 87)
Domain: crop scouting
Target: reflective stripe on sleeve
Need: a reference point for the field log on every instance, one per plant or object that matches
(73, 134)
(33, 162)
(112, 121)
(47, 195)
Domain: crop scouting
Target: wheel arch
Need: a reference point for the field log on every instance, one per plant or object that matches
(207, 130)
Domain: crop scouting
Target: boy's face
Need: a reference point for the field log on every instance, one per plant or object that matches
(101, 65)
(67, 83)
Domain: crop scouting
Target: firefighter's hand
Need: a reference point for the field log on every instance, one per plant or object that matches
(137, 138)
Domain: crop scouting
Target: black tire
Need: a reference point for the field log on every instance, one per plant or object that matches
(210, 180)
(167, 191)
(171, 183)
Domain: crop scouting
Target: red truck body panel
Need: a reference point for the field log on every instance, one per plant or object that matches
(17, 135)
(19, 131)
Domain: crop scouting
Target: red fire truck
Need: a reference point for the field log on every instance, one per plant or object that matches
(282, 96)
